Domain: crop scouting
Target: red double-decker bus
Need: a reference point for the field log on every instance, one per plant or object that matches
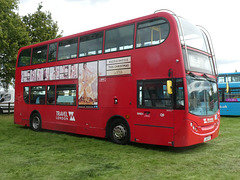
(148, 80)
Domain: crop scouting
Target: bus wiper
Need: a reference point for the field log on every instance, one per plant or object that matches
(196, 77)
(208, 78)
(191, 74)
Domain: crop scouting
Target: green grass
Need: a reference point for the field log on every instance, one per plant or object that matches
(25, 154)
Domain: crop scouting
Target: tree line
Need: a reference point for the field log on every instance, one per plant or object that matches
(17, 31)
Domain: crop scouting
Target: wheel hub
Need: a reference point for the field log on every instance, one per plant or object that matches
(119, 132)
(36, 122)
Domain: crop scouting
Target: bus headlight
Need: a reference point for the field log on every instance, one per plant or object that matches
(194, 126)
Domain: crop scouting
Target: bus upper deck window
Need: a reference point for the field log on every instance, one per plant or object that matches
(152, 32)
(24, 58)
(39, 55)
(67, 49)
(119, 39)
(52, 52)
(91, 44)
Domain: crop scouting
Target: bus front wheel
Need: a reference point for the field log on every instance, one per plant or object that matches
(35, 122)
(119, 132)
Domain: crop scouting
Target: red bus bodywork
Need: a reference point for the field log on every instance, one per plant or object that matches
(117, 96)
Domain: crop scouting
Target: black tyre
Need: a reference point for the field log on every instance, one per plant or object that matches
(36, 122)
(119, 132)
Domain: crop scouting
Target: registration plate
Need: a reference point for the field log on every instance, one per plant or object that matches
(208, 138)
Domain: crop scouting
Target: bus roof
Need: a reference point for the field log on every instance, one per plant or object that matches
(224, 74)
(143, 18)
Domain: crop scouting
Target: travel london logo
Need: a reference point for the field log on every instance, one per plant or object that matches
(65, 115)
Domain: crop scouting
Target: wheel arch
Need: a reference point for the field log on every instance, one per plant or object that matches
(34, 112)
(111, 120)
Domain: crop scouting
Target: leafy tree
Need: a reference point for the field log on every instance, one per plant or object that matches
(41, 26)
(13, 36)
(16, 32)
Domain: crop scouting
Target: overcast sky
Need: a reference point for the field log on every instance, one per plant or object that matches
(219, 17)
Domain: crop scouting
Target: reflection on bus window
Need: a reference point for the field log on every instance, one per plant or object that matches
(66, 94)
(221, 79)
(152, 32)
(91, 44)
(39, 55)
(37, 95)
(52, 52)
(193, 36)
(51, 94)
(232, 96)
(153, 94)
(26, 94)
(67, 49)
(24, 58)
(119, 39)
(232, 78)
(236, 78)
(179, 94)
(229, 79)
(202, 96)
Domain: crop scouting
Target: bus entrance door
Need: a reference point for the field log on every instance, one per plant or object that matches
(154, 126)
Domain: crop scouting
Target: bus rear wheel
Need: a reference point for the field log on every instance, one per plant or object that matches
(119, 132)
(36, 122)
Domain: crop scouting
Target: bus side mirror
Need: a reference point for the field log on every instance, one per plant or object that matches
(169, 86)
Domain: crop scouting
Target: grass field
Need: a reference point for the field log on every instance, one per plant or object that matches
(25, 154)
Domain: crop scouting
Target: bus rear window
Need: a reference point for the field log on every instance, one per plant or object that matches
(24, 58)
(152, 32)
(39, 55)
(67, 49)
(91, 44)
(119, 39)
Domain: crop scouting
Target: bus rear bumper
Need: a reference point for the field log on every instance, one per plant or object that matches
(23, 122)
